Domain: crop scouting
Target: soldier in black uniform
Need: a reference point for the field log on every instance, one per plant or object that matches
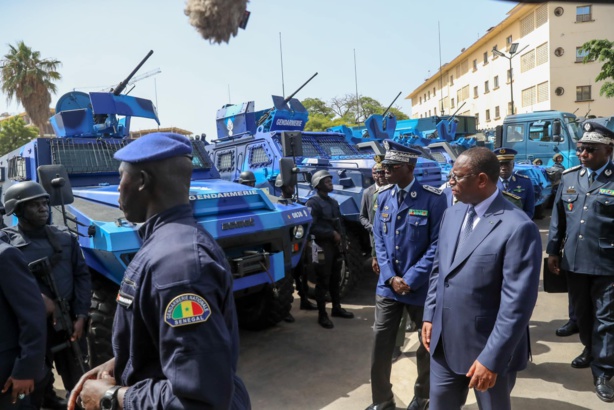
(326, 227)
(36, 239)
(22, 328)
(247, 178)
(581, 244)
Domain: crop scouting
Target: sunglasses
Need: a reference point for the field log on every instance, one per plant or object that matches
(587, 148)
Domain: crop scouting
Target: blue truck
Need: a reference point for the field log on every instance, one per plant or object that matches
(262, 239)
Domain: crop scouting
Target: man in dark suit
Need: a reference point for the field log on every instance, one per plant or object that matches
(22, 328)
(481, 292)
(580, 245)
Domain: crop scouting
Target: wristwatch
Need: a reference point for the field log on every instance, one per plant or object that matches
(109, 400)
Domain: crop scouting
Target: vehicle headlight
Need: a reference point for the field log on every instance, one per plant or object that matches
(298, 232)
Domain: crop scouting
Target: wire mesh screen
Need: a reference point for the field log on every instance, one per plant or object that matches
(86, 157)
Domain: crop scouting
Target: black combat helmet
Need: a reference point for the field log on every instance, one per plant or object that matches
(22, 192)
(246, 176)
(319, 176)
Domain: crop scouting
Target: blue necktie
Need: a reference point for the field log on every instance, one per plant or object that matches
(592, 177)
(401, 196)
(467, 229)
(506, 185)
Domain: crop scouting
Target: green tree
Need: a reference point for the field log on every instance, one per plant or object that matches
(602, 51)
(30, 80)
(14, 133)
(317, 106)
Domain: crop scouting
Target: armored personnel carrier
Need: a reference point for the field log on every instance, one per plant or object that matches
(261, 239)
(257, 140)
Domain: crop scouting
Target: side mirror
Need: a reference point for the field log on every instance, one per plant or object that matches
(54, 179)
(556, 131)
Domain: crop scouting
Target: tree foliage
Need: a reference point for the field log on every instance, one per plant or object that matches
(602, 51)
(344, 111)
(14, 133)
(30, 80)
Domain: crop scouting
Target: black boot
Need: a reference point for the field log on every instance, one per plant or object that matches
(324, 321)
(338, 311)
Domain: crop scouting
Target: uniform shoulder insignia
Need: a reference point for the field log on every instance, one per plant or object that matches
(383, 188)
(511, 195)
(186, 309)
(432, 189)
(577, 167)
(522, 176)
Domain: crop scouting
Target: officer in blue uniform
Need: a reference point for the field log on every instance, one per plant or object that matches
(514, 183)
(22, 328)
(406, 230)
(175, 334)
(581, 244)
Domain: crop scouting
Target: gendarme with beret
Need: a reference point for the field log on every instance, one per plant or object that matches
(595, 132)
(155, 147)
(399, 154)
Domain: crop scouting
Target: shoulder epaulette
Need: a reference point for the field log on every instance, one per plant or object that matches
(511, 195)
(522, 176)
(432, 189)
(383, 188)
(577, 167)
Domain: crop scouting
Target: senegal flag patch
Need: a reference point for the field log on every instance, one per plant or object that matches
(187, 309)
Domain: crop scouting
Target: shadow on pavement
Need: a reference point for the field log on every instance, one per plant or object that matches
(522, 403)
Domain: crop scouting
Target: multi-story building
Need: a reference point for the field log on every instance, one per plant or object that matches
(531, 60)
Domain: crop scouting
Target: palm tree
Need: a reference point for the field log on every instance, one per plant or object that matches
(29, 79)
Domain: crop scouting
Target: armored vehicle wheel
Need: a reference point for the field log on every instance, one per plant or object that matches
(265, 308)
(102, 312)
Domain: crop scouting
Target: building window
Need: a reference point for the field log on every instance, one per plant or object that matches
(494, 56)
(452, 102)
(541, 15)
(464, 67)
(497, 113)
(486, 87)
(584, 14)
(451, 80)
(583, 93)
(420, 100)
(434, 93)
(527, 61)
(475, 92)
(495, 82)
(542, 92)
(485, 57)
(477, 118)
(541, 54)
(475, 65)
(580, 54)
(528, 96)
(509, 76)
(429, 94)
(527, 25)
(508, 42)
(487, 115)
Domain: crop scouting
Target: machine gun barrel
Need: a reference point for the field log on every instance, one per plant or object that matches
(287, 99)
(390, 106)
(41, 268)
(121, 86)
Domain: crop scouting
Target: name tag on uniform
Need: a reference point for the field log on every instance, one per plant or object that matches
(418, 212)
(609, 192)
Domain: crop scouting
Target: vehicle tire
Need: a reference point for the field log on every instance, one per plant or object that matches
(100, 328)
(267, 307)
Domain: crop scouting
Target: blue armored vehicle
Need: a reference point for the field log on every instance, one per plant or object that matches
(262, 239)
(257, 140)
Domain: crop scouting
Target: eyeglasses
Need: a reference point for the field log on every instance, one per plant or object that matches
(587, 148)
(458, 178)
(391, 166)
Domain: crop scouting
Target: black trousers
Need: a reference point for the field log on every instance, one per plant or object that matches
(388, 314)
(328, 275)
(592, 297)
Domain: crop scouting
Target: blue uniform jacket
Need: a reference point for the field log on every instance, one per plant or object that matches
(480, 301)
(406, 239)
(23, 328)
(582, 223)
(521, 185)
(175, 335)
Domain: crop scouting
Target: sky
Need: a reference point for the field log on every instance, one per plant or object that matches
(396, 43)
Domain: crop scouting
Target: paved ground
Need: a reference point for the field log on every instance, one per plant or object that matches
(301, 366)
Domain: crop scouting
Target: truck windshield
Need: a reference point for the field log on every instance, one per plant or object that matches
(573, 126)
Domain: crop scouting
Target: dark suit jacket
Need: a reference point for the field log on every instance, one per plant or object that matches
(480, 301)
(23, 327)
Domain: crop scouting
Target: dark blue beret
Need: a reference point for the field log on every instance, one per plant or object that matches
(155, 147)
(505, 154)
